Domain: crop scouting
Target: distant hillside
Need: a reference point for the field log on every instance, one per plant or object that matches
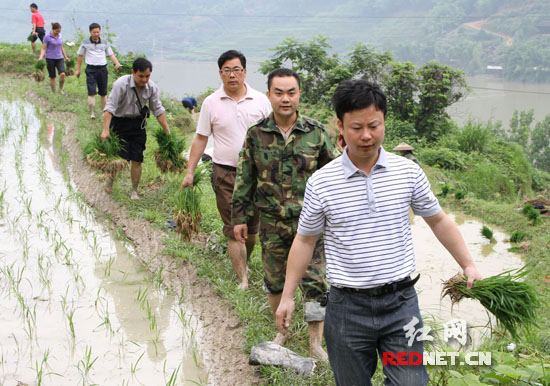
(468, 34)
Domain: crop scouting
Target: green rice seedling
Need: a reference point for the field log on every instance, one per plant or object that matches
(104, 155)
(107, 270)
(155, 341)
(153, 321)
(86, 363)
(2, 198)
(513, 302)
(39, 372)
(517, 236)
(134, 366)
(487, 232)
(188, 210)
(459, 195)
(168, 156)
(174, 377)
(141, 297)
(107, 324)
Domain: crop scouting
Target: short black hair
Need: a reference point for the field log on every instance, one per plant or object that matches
(357, 94)
(33, 5)
(56, 25)
(281, 72)
(94, 25)
(142, 64)
(231, 54)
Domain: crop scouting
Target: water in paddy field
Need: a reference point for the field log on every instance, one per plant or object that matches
(435, 265)
(75, 308)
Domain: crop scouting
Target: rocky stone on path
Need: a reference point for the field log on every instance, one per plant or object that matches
(270, 353)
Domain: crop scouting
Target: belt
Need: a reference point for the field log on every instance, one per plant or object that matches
(226, 167)
(94, 66)
(383, 289)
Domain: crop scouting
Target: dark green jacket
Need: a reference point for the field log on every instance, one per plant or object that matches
(272, 172)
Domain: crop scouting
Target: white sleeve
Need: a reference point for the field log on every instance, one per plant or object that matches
(204, 127)
(312, 217)
(424, 203)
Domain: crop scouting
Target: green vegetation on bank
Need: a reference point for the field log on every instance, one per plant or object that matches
(481, 173)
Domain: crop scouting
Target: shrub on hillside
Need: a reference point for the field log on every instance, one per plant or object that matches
(512, 162)
(473, 138)
(487, 181)
(443, 158)
(399, 130)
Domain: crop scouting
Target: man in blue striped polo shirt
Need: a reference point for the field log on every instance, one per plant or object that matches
(361, 201)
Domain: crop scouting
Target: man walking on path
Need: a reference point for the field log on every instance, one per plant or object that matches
(38, 31)
(279, 154)
(226, 115)
(95, 52)
(360, 202)
(126, 112)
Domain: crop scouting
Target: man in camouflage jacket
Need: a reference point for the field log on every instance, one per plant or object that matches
(278, 156)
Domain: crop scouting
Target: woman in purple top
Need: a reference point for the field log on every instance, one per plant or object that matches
(52, 47)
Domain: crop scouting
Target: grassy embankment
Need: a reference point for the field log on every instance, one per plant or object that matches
(477, 178)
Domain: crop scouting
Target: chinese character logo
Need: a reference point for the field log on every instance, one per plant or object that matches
(457, 329)
(420, 334)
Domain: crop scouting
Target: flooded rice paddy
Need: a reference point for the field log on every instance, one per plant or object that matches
(435, 265)
(75, 307)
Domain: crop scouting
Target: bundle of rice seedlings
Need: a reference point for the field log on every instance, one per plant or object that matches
(38, 75)
(70, 66)
(517, 236)
(188, 210)
(104, 155)
(511, 301)
(168, 156)
(487, 232)
(531, 213)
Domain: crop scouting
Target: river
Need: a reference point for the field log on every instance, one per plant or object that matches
(490, 97)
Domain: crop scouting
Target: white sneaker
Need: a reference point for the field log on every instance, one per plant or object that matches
(92, 116)
(134, 195)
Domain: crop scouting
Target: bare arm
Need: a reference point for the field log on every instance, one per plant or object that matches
(163, 122)
(449, 236)
(197, 150)
(106, 124)
(64, 54)
(78, 65)
(43, 51)
(115, 61)
(298, 260)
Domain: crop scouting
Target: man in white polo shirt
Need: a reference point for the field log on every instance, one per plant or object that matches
(361, 201)
(226, 115)
(95, 53)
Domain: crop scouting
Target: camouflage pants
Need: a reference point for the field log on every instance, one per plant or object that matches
(276, 236)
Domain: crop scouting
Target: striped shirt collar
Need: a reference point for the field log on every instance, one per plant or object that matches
(350, 169)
